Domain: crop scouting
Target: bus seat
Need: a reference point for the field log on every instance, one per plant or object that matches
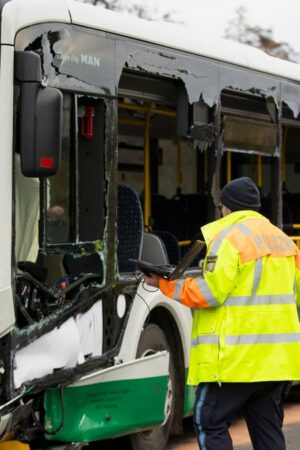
(181, 215)
(78, 266)
(54, 265)
(34, 269)
(167, 215)
(171, 244)
(130, 227)
(154, 250)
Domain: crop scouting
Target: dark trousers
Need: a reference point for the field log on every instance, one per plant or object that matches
(261, 404)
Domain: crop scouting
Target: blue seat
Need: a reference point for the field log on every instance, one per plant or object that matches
(130, 227)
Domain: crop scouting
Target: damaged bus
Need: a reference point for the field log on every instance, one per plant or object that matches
(116, 137)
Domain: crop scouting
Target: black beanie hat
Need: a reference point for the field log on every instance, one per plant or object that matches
(241, 194)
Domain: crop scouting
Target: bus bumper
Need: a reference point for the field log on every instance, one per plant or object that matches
(112, 402)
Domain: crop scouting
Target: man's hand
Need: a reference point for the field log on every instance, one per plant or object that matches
(151, 279)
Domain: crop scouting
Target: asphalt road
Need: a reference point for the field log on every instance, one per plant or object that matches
(239, 432)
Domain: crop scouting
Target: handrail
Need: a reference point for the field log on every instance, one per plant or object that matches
(147, 178)
(283, 155)
(148, 110)
(184, 243)
(259, 172)
(134, 122)
(296, 239)
(228, 167)
(178, 168)
(144, 109)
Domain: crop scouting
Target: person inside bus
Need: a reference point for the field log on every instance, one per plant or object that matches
(245, 343)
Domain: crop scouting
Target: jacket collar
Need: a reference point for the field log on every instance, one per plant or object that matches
(210, 230)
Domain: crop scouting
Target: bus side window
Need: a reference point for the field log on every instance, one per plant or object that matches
(75, 205)
(59, 187)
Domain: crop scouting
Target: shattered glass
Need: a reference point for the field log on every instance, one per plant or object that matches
(72, 57)
(82, 59)
(203, 77)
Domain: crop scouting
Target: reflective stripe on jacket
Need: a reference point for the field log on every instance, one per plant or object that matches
(245, 322)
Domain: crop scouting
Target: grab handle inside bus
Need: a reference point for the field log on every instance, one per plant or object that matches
(39, 120)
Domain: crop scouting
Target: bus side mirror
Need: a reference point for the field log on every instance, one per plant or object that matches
(40, 119)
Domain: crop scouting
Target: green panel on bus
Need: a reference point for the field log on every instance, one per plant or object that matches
(105, 410)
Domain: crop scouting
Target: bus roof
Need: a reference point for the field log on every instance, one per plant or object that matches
(28, 12)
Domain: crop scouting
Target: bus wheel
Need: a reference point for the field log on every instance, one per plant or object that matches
(153, 340)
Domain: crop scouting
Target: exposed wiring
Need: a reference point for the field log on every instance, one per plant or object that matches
(139, 276)
(149, 290)
(18, 397)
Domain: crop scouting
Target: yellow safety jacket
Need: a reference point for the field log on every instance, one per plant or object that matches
(245, 322)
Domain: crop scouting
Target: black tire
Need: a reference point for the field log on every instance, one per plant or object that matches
(153, 340)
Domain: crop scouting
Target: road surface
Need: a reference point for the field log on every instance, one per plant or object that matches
(239, 432)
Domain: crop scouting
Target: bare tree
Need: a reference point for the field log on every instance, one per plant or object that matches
(105, 3)
(138, 8)
(239, 30)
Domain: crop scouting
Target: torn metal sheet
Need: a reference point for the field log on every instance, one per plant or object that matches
(290, 96)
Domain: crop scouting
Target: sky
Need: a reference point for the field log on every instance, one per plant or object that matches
(211, 17)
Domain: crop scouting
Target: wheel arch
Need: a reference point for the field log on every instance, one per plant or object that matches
(147, 306)
(163, 318)
(175, 321)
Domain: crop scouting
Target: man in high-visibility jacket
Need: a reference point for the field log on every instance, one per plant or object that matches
(245, 341)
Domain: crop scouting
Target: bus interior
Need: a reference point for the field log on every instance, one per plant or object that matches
(177, 156)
